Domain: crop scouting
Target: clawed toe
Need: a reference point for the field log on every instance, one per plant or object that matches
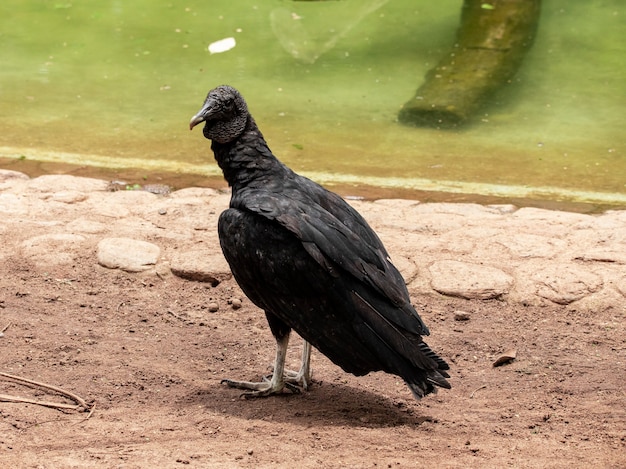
(265, 388)
(294, 381)
(280, 379)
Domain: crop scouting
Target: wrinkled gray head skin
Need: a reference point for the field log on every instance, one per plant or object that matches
(224, 113)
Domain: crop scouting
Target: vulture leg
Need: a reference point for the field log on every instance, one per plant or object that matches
(301, 378)
(295, 381)
(271, 386)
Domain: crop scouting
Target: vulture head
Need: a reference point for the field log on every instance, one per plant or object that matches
(224, 114)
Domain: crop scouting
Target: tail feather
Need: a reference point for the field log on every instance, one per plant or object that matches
(401, 352)
(441, 363)
(427, 383)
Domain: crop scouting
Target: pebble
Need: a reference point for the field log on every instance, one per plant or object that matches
(505, 358)
(235, 303)
(213, 307)
(461, 316)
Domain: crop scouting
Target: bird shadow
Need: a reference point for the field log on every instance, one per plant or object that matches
(330, 403)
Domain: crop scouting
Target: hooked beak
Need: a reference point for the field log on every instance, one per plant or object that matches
(202, 114)
(195, 120)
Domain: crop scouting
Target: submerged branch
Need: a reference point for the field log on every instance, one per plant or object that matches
(491, 43)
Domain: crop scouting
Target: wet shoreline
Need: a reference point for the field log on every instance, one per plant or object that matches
(181, 180)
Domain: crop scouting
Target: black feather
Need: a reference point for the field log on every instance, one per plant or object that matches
(310, 260)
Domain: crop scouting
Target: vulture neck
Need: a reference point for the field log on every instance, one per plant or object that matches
(247, 160)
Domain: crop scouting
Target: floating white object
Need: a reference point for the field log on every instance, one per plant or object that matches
(222, 45)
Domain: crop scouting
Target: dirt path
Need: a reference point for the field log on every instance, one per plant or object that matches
(147, 352)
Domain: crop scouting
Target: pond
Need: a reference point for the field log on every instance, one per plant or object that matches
(112, 84)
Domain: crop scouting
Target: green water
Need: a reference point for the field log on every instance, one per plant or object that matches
(113, 84)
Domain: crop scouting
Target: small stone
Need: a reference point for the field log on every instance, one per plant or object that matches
(461, 316)
(506, 357)
(162, 211)
(235, 303)
(158, 189)
(162, 270)
(250, 452)
(213, 307)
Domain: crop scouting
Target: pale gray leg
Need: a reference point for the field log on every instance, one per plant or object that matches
(280, 378)
(302, 377)
(271, 386)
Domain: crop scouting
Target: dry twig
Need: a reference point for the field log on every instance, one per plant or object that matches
(477, 389)
(80, 401)
(57, 405)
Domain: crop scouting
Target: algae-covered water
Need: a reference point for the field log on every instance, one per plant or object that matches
(112, 84)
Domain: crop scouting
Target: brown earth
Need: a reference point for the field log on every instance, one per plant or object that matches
(146, 353)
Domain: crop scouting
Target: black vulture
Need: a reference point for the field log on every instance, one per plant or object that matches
(312, 263)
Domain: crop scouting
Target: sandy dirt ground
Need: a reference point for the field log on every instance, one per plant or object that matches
(147, 356)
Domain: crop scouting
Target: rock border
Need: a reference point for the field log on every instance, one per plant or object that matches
(524, 256)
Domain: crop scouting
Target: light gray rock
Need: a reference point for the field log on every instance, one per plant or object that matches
(6, 174)
(13, 204)
(69, 196)
(613, 254)
(525, 256)
(131, 255)
(201, 266)
(407, 268)
(620, 284)
(551, 217)
(52, 183)
(9, 178)
(82, 225)
(566, 283)
(51, 249)
(528, 245)
(471, 281)
(107, 207)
